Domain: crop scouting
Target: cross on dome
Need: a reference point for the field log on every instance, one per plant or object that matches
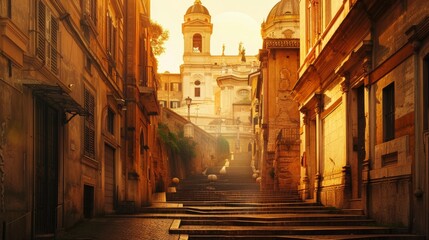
(197, 2)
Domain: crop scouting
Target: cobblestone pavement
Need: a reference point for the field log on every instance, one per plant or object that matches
(116, 228)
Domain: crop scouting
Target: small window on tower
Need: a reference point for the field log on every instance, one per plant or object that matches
(197, 43)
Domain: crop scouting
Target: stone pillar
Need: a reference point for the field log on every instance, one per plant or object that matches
(305, 187)
(370, 121)
(346, 172)
(318, 109)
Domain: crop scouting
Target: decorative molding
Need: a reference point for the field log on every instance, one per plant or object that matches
(281, 43)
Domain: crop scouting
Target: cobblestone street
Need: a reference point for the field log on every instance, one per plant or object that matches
(118, 228)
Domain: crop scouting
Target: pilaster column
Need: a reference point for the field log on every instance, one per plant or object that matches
(345, 88)
(303, 149)
(318, 110)
(419, 157)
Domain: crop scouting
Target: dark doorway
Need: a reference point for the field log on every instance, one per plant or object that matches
(88, 201)
(46, 169)
(109, 179)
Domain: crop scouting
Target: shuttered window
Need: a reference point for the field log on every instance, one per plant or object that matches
(47, 38)
(89, 128)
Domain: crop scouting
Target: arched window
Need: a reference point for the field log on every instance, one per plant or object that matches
(197, 92)
(197, 43)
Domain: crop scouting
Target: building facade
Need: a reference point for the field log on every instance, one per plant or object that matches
(275, 114)
(201, 73)
(65, 129)
(362, 91)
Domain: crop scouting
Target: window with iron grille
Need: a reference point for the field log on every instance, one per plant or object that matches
(89, 128)
(389, 112)
(47, 37)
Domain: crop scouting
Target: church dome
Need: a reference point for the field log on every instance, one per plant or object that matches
(197, 8)
(281, 9)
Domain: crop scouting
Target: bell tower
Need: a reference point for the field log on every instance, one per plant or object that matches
(197, 30)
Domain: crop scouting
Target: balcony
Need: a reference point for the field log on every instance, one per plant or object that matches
(149, 99)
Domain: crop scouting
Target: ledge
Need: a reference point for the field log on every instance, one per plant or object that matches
(13, 42)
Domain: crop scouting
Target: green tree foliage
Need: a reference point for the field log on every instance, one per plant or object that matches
(159, 36)
(222, 148)
(177, 144)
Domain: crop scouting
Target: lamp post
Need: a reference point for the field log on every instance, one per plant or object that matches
(188, 127)
(188, 102)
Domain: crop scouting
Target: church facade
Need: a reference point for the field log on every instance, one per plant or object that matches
(217, 84)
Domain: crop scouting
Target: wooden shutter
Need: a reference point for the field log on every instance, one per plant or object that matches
(54, 45)
(89, 130)
(41, 31)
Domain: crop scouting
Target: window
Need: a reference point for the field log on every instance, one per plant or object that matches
(165, 86)
(89, 9)
(110, 121)
(89, 128)
(88, 64)
(142, 145)
(47, 38)
(111, 43)
(174, 104)
(328, 12)
(9, 67)
(426, 92)
(177, 87)
(389, 112)
(197, 92)
(162, 103)
(197, 43)
(9, 8)
(243, 93)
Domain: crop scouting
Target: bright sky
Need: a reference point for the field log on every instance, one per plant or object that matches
(234, 21)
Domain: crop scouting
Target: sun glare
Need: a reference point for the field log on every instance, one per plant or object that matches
(231, 28)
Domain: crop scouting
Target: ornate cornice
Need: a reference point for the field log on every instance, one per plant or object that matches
(281, 43)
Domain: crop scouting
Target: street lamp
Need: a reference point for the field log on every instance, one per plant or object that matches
(188, 102)
(188, 127)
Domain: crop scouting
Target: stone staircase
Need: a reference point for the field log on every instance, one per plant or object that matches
(233, 208)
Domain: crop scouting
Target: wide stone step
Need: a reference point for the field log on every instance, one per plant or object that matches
(249, 204)
(244, 210)
(233, 207)
(307, 237)
(312, 222)
(178, 228)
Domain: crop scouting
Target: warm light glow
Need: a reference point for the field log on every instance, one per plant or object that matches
(188, 101)
(233, 22)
